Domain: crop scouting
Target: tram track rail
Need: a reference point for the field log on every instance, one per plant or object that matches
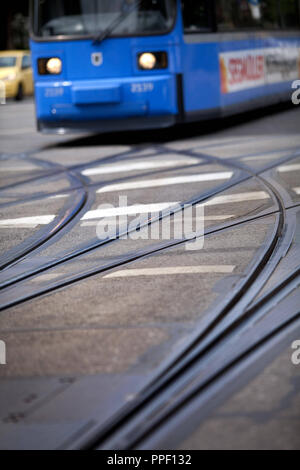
(187, 386)
(125, 259)
(194, 201)
(65, 216)
(137, 256)
(197, 351)
(180, 376)
(101, 243)
(159, 401)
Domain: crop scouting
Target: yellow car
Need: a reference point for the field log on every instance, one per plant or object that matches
(16, 74)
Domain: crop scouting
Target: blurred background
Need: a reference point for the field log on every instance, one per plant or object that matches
(14, 24)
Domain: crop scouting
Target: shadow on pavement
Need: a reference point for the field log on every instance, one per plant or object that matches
(185, 131)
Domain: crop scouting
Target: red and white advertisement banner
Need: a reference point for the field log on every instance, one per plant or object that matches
(241, 70)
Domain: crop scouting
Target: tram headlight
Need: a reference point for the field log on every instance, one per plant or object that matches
(147, 61)
(50, 66)
(152, 60)
(54, 66)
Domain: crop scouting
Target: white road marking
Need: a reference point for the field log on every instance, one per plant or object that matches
(287, 168)
(155, 183)
(95, 223)
(215, 217)
(128, 210)
(60, 196)
(225, 269)
(27, 222)
(149, 208)
(18, 167)
(260, 157)
(156, 162)
(297, 190)
(32, 222)
(208, 218)
(46, 277)
(241, 197)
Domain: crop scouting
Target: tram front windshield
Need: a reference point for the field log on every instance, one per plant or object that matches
(90, 17)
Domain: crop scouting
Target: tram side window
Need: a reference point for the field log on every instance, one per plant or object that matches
(270, 14)
(237, 14)
(260, 14)
(280, 14)
(289, 10)
(196, 16)
(224, 15)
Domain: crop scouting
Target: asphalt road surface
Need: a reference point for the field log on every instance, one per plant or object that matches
(153, 277)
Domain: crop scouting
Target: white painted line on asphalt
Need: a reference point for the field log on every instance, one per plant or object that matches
(27, 222)
(288, 168)
(60, 196)
(95, 223)
(225, 269)
(17, 167)
(156, 162)
(45, 277)
(241, 197)
(149, 208)
(297, 190)
(259, 157)
(206, 218)
(155, 183)
(128, 210)
(32, 222)
(220, 217)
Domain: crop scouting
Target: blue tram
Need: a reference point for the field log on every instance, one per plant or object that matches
(107, 65)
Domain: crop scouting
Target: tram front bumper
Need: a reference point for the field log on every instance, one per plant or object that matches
(107, 104)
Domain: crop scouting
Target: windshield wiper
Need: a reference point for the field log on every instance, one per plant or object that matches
(110, 29)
